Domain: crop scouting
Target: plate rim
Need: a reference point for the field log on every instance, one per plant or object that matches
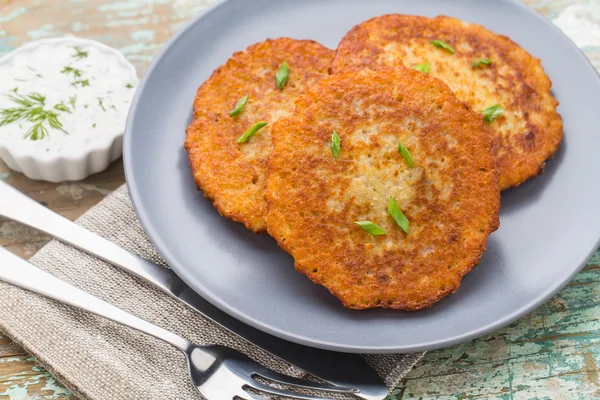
(166, 254)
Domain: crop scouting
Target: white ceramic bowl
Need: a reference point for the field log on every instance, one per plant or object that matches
(71, 163)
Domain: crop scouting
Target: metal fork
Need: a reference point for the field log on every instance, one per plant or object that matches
(217, 372)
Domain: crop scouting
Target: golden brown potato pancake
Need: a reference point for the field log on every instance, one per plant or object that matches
(232, 174)
(529, 131)
(450, 195)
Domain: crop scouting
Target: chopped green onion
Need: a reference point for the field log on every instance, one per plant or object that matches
(402, 149)
(398, 216)
(252, 131)
(282, 75)
(442, 45)
(424, 68)
(492, 112)
(239, 107)
(370, 227)
(335, 144)
(481, 61)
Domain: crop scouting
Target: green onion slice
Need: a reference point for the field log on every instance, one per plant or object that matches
(492, 112)
(442, 45)
(239, 106)
(370, 227)
(282, 75)
(481, 61)
(402, 149)
(252, 131)
(424, 68)
(335, 144)
(398, 216)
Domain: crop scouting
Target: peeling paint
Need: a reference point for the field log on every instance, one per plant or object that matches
(20, 384)
(591, 368)
(10, 359)
(14, 231)
(16, 392)
(145, 35)
(79, 26)
(530, 367)
(77, 191)
(128, 22)
(7, 45)
(55, 389)
(124, 5)
(14, 14)
(581, 22)
(43, 32)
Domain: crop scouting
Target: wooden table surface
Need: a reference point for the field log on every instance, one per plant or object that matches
(553, 353)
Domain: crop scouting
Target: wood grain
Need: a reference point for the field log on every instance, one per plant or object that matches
(553, 353)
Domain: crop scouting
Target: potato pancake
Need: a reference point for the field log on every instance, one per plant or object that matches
(228, 149)
(487, 70)
(390, 150)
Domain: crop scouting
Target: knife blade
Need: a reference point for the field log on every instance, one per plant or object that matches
(337, 368)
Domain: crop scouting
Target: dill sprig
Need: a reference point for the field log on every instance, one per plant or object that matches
(77, 73)
(101, 103)
(81, 83)
(30, 108)
(70, 70)
(79, 53)
(62, 107)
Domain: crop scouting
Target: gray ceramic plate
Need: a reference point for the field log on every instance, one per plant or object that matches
(550, 225)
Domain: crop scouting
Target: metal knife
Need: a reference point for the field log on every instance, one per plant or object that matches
(337, 368)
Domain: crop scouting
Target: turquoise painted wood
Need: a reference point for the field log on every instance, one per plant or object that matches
(553, 353)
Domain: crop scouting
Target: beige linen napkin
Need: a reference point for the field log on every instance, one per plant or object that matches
(100, 360)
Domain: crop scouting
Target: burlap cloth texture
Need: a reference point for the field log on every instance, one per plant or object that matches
(100, 360)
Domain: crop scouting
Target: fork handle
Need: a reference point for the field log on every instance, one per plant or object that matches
(21, 273)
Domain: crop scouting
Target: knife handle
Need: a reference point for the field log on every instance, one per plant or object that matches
(18, 207)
